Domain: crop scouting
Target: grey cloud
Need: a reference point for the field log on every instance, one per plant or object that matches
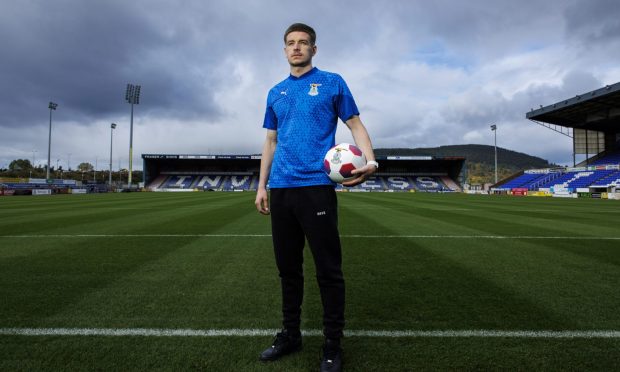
(81, 54)
(593, 21)
(573, 83)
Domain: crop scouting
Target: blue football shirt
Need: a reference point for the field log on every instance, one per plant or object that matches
(304, 111)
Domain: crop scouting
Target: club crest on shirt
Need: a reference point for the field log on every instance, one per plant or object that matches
(314, 89)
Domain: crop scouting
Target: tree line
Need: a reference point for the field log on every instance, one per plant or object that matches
(23, 168)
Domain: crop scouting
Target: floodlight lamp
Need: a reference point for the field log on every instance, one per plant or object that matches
(129, 93)
(52, 106)
(493, 127)
(113, 126)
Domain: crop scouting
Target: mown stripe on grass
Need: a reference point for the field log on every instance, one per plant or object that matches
(353, 236)
(235, 332)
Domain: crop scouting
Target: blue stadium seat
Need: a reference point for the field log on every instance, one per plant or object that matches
(523, 180)
(612, 179)
(609, 159)
(179, 182)
(209, 182)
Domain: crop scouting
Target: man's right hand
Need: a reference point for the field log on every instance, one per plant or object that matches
(262, 201)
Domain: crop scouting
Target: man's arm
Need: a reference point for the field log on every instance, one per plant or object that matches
(269, 147)
(362, 140)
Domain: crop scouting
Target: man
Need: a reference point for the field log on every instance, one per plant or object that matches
(301, 119)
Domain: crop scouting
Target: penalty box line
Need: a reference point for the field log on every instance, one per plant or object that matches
(350, 236)
(235, 332)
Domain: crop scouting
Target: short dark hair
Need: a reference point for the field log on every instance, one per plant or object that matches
(303, 28)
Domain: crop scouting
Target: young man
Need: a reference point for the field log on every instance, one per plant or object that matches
(301, 118)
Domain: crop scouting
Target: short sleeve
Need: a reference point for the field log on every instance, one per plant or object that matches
(270, 121)
(345, 104)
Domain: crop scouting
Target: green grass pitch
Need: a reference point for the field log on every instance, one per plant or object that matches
(412, 262)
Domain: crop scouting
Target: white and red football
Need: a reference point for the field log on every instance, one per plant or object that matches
(341, 160)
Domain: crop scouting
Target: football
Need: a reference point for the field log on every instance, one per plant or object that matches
(341, 160)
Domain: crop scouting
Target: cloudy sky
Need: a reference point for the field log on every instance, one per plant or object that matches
(423, 73)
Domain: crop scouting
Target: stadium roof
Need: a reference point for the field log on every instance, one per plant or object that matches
(596, 110)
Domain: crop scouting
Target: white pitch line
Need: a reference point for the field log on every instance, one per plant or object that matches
(235, 332)
(352, 236)
(483, 237)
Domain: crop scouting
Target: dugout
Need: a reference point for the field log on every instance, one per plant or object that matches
(591, 119)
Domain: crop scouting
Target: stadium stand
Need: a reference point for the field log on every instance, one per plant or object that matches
(525, 180)
(569, 179)
(401, 183)
(215, 182)
(250, 182)
(613, 179)
(240, 173)
(608, 159)
(573, 180)
(532, 180)
(591, 120)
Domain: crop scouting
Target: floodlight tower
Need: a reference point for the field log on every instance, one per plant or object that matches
(112, 127)
(132, 96)
(51, 106)
(494, 129)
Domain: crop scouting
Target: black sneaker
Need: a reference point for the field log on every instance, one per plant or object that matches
(283, 344)
(332, 356)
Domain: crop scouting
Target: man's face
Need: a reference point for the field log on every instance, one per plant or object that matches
(298, 49)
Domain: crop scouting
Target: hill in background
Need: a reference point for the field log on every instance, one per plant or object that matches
(480, 160)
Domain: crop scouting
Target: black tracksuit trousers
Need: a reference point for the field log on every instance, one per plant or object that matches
(309, 213)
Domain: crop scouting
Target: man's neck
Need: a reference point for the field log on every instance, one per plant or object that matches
(297, 71)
